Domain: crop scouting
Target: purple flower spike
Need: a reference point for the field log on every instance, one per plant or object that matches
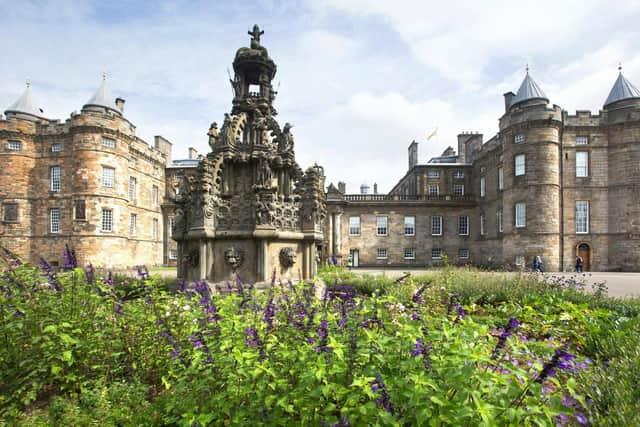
(581, 418)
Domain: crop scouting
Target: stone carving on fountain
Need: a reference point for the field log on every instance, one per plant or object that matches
(249, 193)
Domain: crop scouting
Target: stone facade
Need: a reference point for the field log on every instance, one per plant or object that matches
(570, 163)
(88, 182)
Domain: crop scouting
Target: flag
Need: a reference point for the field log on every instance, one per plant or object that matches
(434, 133)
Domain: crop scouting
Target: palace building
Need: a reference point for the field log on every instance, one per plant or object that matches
(549, 184)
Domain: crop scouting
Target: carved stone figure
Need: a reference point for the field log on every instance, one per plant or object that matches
(286, 140)
(213, 134)
(192, 259)
(234, 258)
(255, 37)
(287, 257)
(227, 130)
(264, 174)
(264, 209)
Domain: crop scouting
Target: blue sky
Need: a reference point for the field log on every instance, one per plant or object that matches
(359, 79)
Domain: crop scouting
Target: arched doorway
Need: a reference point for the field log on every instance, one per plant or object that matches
(584, 250)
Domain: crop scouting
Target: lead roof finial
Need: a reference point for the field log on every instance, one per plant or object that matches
(28, 83)
(620, 66)
(527, 68)
(255, 35)
(104, 76)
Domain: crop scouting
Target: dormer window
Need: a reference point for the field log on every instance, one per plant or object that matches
(518, 139)
(14, 145)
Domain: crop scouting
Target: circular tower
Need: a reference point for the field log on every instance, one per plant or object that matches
(531, 132)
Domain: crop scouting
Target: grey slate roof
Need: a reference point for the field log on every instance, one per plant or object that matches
(25, 104)
(622, 89)
(102, 97)
(529, 89)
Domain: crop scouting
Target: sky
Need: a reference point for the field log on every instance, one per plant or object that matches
(358, 79)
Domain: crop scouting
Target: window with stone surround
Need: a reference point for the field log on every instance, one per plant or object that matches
(382, 226)
(56, 147)
(582, 164)
(108, 142)
(458, 189)
(409, 253)
(519, 260)
(54, 176)
(409, 225)
(436, 225)
(14, 145)
(172, 225)
(521, 215)
(463, 225)
(133, 190)
(500, 216)
(483, 224)
(433, 173)
(436, 253)
(519, 162)
(434, 189)
(483, 186)
(381, 253)
(354, 226)
(582, 140)
(80, 210)
(173, 254)
(133, 224)
(458, 175)
(108, 177)
(500, 178)
(582, 216)
(106, 225)
(154, 195)
(10, 212)
(519, 138)
(54, 220)
(154, 229)
(463, 253)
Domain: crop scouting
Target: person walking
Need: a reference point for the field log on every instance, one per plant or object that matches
(579, 264)
(537, 264)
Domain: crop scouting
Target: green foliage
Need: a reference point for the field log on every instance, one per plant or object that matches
(429, 350)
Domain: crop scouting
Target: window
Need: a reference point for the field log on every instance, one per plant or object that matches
(434, 189)
(107, 220)
(132, 161)
(519, 260)
(354, 226)
(54, 175)
(56, 147)
(500, 218)
(483, 186)
(10, 212)
(483, 224)
(582, 140)
(458, 189)
(156, 170)
(154, 229)
(108, 177)
(172, 224)
(382, 253)
(173, 254)
(133, 223)
(521, 215)
(409, 253)
(154, 195)
(463, 253)
(80, 210)
(463, 225)
(518, 139)
(436, 225)
(500, 179)
(458, 175)
(436, 253)
(519, 164)
(14, 145)
(582, 164)
(133, 189)
(381, 226)
(582, 216)
(54, 220)
(433, 173)
(108, 142)
(409, 225)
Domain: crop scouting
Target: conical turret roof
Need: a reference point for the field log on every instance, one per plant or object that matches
(102, 97)
(25, 104)
(622, 89)
(529, 89)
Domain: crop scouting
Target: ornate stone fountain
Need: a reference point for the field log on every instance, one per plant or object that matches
(250, 209)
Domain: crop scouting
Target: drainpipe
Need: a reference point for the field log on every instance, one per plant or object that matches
(562, 192)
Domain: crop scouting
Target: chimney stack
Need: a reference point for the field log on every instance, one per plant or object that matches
(375, 188)
(120, 104)
(507, 100)
(193, 153)
(342, 187)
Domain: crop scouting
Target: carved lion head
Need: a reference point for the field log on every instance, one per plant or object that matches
(233, 257)
(287, 257)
